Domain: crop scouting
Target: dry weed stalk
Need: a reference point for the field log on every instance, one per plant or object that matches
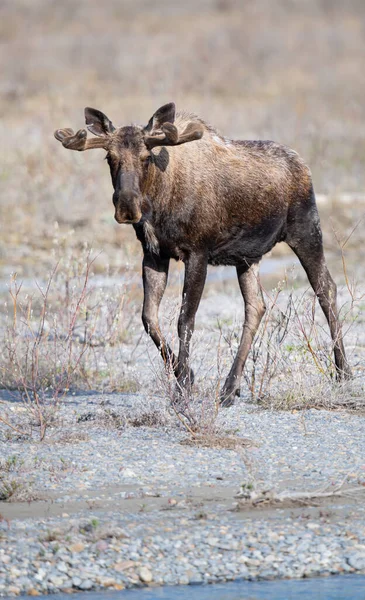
(248, 496)
(56, 340)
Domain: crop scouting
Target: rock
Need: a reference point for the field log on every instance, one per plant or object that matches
(62, 567)
(78, 547)
(212, 541)
(357, 561)
(123, 565)
(76, 582)
(242, 559)
(270, 558)
(145, 575)
(86, 585)
(106, 581)
(101, 546)
(196, 579)
(40, 575)
(56, 580)
(128, 473)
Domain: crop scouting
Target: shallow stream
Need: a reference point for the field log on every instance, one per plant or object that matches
(344, 587)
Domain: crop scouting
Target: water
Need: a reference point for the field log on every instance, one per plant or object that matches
(344, 587)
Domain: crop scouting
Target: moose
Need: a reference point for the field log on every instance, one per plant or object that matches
(196, 196)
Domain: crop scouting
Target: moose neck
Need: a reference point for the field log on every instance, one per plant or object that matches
(157, 179)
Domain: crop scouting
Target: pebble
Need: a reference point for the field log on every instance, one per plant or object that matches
(357, 561)
(86, 585)
(76, 582)
(145, 575)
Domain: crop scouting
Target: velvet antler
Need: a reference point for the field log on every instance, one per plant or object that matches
(79, 141)
(168, 135)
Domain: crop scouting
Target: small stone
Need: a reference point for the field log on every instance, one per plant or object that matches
(78, 547)
(106, 581)
(76, 582)
(212, 541)
(242, 559)
(196, 579)
(40, 575)
(357, 561)
(13, 589)
(312, 526)
(128, 473)
(62, 567)
(56, 580)
(123, 565)
(33, 592)
(270, 558)
(145, 575)
(86, 585)
(101, 546)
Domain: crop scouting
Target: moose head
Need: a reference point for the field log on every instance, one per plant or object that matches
(129, 152)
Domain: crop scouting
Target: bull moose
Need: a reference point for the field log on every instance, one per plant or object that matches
(196, 196)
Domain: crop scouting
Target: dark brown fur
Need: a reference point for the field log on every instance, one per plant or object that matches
(212, 201)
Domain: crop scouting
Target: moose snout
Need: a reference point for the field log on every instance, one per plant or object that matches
(127, 208)
(127, 218)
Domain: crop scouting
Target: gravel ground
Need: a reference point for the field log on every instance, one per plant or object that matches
(131, 506)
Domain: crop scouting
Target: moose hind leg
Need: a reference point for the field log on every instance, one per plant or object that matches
(308, 247)
(249, 282)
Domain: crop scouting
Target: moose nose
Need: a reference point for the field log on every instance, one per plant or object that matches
(128, 216)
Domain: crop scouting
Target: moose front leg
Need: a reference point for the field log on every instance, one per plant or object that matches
(155, 273)
(195, 275)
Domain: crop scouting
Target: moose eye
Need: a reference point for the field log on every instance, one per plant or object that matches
(145, 159)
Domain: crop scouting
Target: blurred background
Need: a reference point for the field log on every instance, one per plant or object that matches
(288, 70)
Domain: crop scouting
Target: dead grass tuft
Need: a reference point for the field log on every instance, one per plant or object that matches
(218, 441)
(13, 489)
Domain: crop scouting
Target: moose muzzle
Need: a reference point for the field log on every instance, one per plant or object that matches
(127, 199)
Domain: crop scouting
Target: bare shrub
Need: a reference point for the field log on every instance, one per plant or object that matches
(14, 489)
(291, 364)
(58, 338)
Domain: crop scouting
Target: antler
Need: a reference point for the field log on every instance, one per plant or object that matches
(169, 135)
(78, 141)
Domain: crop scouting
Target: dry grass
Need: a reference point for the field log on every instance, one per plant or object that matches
(289, 71)
(217, 441)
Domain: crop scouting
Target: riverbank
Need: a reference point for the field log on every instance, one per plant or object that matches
(99, 506)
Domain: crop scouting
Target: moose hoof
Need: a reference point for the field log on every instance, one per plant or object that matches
(185, 382)
(344, 374)
(227, 397)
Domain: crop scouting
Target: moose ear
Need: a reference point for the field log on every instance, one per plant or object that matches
(97, 122)
(165, 114)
